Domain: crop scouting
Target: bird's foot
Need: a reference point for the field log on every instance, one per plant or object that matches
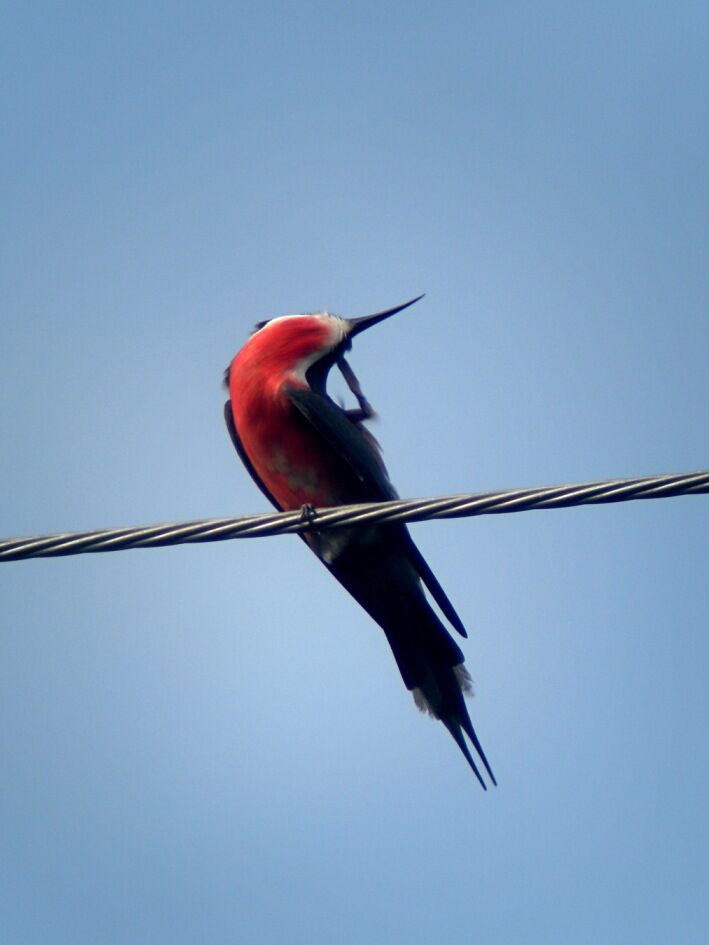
(308, 513)
(365, 411)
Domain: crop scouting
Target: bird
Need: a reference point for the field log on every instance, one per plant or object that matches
(305, 451)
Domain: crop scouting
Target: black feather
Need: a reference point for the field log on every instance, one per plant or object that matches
(381, 567)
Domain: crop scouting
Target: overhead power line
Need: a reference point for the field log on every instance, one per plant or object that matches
(406, 510)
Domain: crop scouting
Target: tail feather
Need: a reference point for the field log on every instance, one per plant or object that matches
(456, 731)
(470, 732)
(443, 698)
(386, 583)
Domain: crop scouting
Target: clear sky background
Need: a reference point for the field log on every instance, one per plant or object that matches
(212, 744)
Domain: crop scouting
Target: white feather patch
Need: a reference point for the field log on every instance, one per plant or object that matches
(422, 703)
(465, 682)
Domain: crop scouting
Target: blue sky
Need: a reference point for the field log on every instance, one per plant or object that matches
(212, 744)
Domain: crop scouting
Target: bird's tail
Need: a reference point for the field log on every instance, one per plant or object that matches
(429, 659)
(442, 696)
(457, 733)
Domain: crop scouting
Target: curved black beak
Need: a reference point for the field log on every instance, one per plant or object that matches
(356, 325)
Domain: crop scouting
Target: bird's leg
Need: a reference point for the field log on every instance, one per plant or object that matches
(308, 513)
(365, 411)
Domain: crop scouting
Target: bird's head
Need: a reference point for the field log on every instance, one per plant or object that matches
(305, 346)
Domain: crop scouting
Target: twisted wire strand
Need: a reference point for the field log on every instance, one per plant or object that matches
(402, 510)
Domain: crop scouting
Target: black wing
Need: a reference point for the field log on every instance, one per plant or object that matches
(358, 450)
(353, 442)
(385, 584)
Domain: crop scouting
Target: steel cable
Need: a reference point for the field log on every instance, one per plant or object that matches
(403, 510)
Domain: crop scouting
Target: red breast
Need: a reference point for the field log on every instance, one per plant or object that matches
(286, 453)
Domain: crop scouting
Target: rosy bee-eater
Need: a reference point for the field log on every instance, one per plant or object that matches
(304, 451)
